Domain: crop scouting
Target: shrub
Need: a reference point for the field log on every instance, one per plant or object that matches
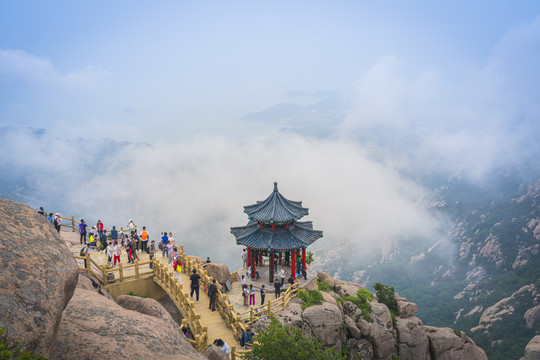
(278, 341)
(386, 296)
(310, 298)
(324, 286)
(11, 352)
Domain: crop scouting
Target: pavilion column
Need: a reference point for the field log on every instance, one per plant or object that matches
(270, 267)
(293, 264)
(248, 257)
(304, 258)
(253, 269)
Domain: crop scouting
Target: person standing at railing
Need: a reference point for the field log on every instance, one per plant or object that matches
(84, 251)
(277, 288)
(252, 293)
(212, 293)
(263, 294)
(50, 218)
(164, 241)
(282, 274)
(194, 284)
(170, 249)
(99, 228)
(109, 253)
(177, 266)
(82, 231)
(131, 226)
(244, 259)
(57, 221)
(114, 234)
(116, 253)
(144, 239)
(152, 252)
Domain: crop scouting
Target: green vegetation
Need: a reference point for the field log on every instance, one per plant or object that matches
(310, 298)
(361, 300)
(324, 286)
(277, 342)
(386, 296)
(309, 257)
(11, 352)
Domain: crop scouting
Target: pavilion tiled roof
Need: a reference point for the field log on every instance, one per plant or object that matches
(276, 208)
(296, 236)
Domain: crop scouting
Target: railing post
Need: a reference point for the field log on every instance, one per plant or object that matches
(269, 307)
(104, 271)
(121, 272)
(87, 257)
(233, 352)
(136, 268)
(251, 314)
(73, 223)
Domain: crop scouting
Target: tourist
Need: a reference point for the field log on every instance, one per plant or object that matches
(243, 280)
(42, 212)
(131, 226)
(248, 338)
(114, 234)
(263, 294)
(152, 252)
(170, 249)
(82, 231)
(116, 253)
(290, 280)
(223, 346)
(171, 239)
(194, 284)
(103, 240)
(282, 273)
(208, 260)
(245, 294)
(302, 269)
(212, 294)
(164, 241)
(92, 241)
(50, 218)
(244, 259)
(144, 239)
(57, 221)
(177, 266)
(287, 259)
(99, 227)
(277, 288)
(84, 251)
(251, 295)
(109, 253)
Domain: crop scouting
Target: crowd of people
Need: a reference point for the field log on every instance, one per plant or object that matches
(113, 242)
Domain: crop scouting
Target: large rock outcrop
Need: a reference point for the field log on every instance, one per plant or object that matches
(38, 275)
(94, 327)
(220, 272)
(376, 334)
(532, 350)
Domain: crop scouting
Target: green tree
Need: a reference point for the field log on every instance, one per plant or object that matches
(278, 341)
(309, 257)
(386, 296)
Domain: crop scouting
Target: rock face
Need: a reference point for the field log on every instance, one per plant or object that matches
(532, 350)
(215, 353)
(145, 306)
(447, 344)
(220, 272)
(345, 324)
(96, 327)
(38, 275)
(324, 322)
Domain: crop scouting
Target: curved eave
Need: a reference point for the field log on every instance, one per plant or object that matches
(295, 237)
(277, 208)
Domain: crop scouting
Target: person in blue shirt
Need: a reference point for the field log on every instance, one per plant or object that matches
(263, 294)
(164, 241)
(248, 338)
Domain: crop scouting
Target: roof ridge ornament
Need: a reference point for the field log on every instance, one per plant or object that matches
(275, 186)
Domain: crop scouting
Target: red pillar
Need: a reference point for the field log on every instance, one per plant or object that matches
(253, 269)
(293, 264)
(304, 258)
(271, 259)
(248, 257)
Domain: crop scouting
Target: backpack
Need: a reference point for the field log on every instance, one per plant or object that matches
(82, 251)
(55, 222)
(243, 339)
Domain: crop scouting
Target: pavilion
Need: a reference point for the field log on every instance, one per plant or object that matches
(273, 230)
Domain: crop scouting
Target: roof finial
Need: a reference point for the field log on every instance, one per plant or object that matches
(275, 186)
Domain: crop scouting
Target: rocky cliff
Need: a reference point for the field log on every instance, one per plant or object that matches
(377, 335)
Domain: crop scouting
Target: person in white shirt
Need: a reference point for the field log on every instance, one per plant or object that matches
(222, 345)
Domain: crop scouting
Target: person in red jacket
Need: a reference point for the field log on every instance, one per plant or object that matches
(99, 227)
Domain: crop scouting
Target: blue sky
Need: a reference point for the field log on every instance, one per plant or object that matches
(168, 70)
